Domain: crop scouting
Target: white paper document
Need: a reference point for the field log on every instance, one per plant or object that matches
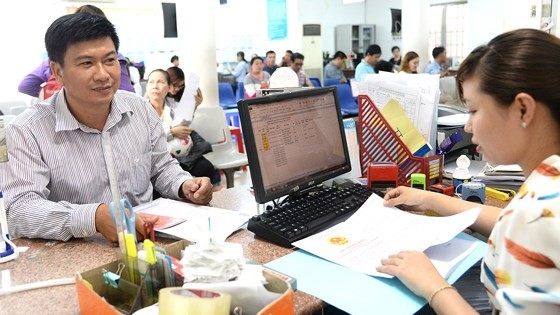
(196, 226)
(184, 110)
(374, 232)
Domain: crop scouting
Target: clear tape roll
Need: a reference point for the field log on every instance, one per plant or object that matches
(181, 301)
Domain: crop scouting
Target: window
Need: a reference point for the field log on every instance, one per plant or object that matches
(447, 29)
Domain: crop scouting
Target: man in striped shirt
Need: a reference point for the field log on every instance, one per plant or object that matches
(56, 184)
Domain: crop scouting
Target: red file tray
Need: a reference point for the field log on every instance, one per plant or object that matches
(379, 143)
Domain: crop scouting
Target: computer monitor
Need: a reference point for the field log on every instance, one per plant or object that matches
(293, 141)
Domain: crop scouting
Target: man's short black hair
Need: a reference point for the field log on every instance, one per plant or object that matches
(290, 52)
(175, 57)
(339, 54)
(373, 50)
(297, 56)
(395, 47)
(438, 51)
(270, 52)
(73, 28)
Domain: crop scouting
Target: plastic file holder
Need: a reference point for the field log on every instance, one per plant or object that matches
(379, 143)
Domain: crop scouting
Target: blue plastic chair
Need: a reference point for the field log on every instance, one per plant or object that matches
(225, 95)
(329, 82)
(316, 82)
(240, 93)
(348, 104)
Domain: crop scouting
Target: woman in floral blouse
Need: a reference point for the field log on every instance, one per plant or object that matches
(510, 87)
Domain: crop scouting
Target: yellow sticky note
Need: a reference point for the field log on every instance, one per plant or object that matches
(403, 127)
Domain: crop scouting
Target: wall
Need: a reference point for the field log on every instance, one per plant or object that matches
(331, 13)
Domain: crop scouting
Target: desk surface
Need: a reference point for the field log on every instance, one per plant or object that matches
(47, 260)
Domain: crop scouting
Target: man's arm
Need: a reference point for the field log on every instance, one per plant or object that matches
(31, 83)
(25, 183)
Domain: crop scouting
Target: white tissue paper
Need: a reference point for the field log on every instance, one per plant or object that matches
(283, 77)
(247, 291)
(212, 262)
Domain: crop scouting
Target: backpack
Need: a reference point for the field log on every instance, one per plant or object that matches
(49, 88)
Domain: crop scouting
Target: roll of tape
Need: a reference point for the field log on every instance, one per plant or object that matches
(181, 301)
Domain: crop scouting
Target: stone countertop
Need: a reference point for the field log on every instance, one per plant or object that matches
(46, 260)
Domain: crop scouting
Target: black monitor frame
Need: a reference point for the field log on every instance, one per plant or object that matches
(261, 195)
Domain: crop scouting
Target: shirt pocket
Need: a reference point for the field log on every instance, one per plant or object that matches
(141, 166)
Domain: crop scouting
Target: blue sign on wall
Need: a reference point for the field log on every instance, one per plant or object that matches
(277, 19)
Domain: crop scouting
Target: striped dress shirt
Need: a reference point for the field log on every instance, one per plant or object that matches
(56, 176)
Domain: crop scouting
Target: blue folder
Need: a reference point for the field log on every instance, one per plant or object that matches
(355, 292)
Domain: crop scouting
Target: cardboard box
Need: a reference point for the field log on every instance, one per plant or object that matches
(95, 297)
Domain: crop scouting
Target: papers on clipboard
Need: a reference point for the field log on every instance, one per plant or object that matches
(374, 232)
(184, 110)
(193, 219)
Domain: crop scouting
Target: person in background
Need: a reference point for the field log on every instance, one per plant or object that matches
(410, 63)
(31, 83)
(383, 65)
(296, 66)
(192, 160)
(175, 60)
(396, 59)
(56, 185)
(270, 65)
(177, 77)
(373, 54)
(240, 71)
(514, 105)
(333, 68)
(437, 66)
(286, 59)
(256, 79)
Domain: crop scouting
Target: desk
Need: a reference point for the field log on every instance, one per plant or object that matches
(47, 260)
(51, 260)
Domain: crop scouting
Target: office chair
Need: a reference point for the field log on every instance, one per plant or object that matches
(240, 93)
(225, 95)
(316, 81)
(210, 123)
(329, 82)
(348, 104)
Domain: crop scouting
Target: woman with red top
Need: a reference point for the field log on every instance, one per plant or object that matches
(256, 79)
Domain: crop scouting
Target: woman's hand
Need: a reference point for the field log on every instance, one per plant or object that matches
(415, 270)
(181, 132)
(408, 198)
(198, 98)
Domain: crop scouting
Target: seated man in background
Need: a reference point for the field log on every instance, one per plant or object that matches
(438, 64)
(333, 68)
(297, 64)
(56, 185)
(270, 62)
(372, 56)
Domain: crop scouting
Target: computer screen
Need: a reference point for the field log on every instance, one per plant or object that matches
(293, 141)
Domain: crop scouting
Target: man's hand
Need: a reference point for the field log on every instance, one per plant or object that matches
(105, 225)
(198, 190)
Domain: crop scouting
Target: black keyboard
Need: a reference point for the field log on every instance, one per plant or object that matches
(309, 214)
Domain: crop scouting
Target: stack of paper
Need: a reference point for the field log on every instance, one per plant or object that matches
(502, 176)
(193, 222)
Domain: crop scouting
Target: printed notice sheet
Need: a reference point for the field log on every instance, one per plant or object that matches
(374, 232)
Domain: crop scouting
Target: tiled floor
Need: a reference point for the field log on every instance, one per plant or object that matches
(241, 178)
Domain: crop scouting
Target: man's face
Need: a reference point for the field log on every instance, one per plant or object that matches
(270, 60)
(372, 59)
(442, 57)
(338, 62)
(297, 64)
(91, 74)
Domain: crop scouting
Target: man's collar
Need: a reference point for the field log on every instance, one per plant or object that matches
(66, 121)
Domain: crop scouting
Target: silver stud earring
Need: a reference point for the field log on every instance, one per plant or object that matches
(523, 124)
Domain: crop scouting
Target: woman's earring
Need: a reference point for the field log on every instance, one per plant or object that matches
(523, 124)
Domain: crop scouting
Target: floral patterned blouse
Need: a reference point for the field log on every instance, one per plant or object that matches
(521, 269)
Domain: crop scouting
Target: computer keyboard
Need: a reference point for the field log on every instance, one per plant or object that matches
(309, 214)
